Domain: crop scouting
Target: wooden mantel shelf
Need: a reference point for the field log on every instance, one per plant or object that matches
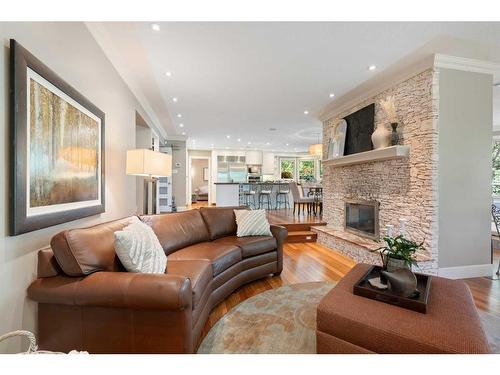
(393, 152)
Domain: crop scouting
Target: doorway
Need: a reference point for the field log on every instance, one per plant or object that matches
(199, 181)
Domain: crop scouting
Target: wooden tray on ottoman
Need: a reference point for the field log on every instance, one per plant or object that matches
(364, 289)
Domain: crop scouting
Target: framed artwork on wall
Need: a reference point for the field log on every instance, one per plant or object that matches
(57, 148)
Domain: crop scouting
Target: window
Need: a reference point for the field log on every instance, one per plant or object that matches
(306, 170)
(495, 157)
(287, 168)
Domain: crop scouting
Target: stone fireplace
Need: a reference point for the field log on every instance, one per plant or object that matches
(403, 187)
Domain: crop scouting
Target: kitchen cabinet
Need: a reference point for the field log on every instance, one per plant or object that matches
(268, 163)
(254, 157)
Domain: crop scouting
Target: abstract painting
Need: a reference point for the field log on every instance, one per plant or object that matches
(58, 143)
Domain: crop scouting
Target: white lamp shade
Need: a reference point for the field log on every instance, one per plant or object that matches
(144, 162)
(316, 149)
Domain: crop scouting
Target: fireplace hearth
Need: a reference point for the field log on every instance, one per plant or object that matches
(361, 218)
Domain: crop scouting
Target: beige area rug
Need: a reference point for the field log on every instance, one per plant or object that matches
(283, 321)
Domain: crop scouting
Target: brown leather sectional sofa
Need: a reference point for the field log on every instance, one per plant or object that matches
(87, 301)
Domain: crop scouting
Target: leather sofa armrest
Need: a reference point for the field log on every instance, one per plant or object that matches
(280, 233)
(115, 289)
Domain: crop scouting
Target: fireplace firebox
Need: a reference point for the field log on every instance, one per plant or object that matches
(361, 218)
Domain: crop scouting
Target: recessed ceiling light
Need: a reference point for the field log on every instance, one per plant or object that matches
(155, 27)
(168, 74)
(181, 125)
(183, 133)
(306, 112)
(286, 144)
(267, 143)
(332, 95)
(249, 143)
(174, 100)
(179, 115)
(372, 67)
(228, 136)
(239, 139)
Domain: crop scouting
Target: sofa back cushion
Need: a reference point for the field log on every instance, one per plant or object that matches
(86, 250)
(47, 263)
(220, 221)
(178, 230)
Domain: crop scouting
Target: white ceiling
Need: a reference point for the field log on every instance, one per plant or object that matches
(241, 79)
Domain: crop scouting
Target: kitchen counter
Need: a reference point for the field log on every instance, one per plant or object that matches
(230, 193)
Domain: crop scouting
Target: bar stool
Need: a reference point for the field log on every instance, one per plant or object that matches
(282, 195)
(249, 196)
(266, 190)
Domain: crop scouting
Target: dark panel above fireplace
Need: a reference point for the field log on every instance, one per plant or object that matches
(360, 126)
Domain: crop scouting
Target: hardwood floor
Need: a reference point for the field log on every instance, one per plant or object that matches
(486, 293)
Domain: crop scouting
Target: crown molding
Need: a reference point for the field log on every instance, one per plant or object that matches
(400, 72)
(466, 64)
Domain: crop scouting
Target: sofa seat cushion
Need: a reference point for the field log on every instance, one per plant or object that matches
(252, 245)
(222, 256)
(199, 272)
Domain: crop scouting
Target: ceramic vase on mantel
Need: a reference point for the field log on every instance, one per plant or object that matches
(381, 137)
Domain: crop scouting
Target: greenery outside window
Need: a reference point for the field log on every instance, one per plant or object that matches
(287, 168)
(495, 181)
(306, 170)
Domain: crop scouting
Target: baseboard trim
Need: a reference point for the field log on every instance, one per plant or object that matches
(466, 272)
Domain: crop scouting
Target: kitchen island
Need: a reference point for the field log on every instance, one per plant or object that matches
(232, 193)
(227, 194)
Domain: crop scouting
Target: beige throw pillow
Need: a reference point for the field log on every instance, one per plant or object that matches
(252, 223)
(139, 249)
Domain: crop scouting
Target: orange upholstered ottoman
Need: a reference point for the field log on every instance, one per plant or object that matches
(347, 323)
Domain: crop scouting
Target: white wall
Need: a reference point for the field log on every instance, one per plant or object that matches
(179, 173)
(465, 140)
(69, 50)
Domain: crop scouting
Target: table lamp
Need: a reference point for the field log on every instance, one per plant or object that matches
(150, 164)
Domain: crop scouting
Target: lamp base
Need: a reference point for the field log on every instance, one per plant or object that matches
(147, 208)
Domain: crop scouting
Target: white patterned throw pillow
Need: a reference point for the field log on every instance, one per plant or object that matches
(138, 248)
(252, 223)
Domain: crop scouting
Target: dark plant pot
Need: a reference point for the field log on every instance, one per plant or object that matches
(394, 134)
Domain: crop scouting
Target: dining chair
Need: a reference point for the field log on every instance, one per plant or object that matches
(299, 200)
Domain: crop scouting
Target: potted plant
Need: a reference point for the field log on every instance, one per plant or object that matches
(398, 252)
